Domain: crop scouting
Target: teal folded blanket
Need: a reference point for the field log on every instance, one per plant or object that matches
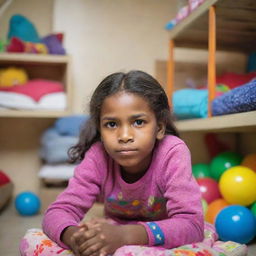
(190, 103)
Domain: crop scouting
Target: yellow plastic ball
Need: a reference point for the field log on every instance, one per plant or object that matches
(238, 185)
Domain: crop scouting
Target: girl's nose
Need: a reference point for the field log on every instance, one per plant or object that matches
(125, 135)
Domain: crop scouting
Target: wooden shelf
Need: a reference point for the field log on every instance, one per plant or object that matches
(33, 58)
(235, 26)
(234, 122)
(33, 113)
(52, 67)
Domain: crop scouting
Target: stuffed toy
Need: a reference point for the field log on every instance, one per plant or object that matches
(3, 44)
(6, 189)
(12, 76)
(21, 27)
(17, 45)
(23, 37)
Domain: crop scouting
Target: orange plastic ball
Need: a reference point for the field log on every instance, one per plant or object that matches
(250, 161)
(214, 208)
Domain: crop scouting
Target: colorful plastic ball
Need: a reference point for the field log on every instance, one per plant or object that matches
(236, 223)
(209, 189)
(238, 185)
(4, 178)
(204, 205)
(250, 161)
(214, 208)
(253, 209)
(27, 203)
(201, 170)
(222, 162)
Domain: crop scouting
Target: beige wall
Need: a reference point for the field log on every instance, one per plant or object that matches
(108, 36)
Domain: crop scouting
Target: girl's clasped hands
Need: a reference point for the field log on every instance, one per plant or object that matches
(97, 238)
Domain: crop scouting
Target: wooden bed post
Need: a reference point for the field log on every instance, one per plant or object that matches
(170, 73)
(211, 58)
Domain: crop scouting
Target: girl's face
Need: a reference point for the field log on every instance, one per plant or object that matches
(129, 130)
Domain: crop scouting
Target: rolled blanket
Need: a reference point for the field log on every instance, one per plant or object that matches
(57, 172)
(240, 99)
(190, 103)
(70, 125)
(55, 147)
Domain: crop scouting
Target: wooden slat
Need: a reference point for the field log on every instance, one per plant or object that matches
(211, 59)
(170, 72)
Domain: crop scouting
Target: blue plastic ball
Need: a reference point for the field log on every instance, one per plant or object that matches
(27, 203)
(236, 223)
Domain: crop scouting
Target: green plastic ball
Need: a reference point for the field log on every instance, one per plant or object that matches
(204, 205)
(223, 162)
(201, 170)
(253, 209)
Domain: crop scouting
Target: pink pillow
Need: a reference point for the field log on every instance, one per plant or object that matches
(36, 88)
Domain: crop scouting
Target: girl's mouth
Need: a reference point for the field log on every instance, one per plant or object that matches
(127, 152)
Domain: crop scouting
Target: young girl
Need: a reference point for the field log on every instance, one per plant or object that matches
(132, 160)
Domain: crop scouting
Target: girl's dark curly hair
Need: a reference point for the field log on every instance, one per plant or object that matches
(137, 82)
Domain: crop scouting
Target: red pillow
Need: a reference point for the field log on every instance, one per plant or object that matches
(233, 80)
(36, 88)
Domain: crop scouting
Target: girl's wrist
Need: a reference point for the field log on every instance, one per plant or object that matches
(135, 235)
(67, 234)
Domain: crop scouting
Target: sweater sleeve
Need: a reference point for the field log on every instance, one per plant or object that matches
(71, 205)
(185, 222)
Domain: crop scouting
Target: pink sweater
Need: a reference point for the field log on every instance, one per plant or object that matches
(166, 200)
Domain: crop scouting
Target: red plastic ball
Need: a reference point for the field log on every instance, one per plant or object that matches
(209, 189)
(4, 179)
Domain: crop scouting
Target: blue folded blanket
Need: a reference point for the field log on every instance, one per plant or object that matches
(240, 99)
(190, 103)
(54, 147)
(70, 125)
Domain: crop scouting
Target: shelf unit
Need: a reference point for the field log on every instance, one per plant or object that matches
(216, 24)
(53, 67)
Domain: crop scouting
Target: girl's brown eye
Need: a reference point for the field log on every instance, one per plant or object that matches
(110, 124)
(139, 122)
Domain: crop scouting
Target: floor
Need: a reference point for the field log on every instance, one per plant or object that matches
(13, 227)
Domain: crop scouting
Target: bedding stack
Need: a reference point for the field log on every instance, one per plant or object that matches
(235, 93)
(36, 94)
(55, 143)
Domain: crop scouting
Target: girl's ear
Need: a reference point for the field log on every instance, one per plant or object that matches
(161, 131)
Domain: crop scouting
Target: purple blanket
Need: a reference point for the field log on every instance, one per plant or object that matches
(240, 99)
